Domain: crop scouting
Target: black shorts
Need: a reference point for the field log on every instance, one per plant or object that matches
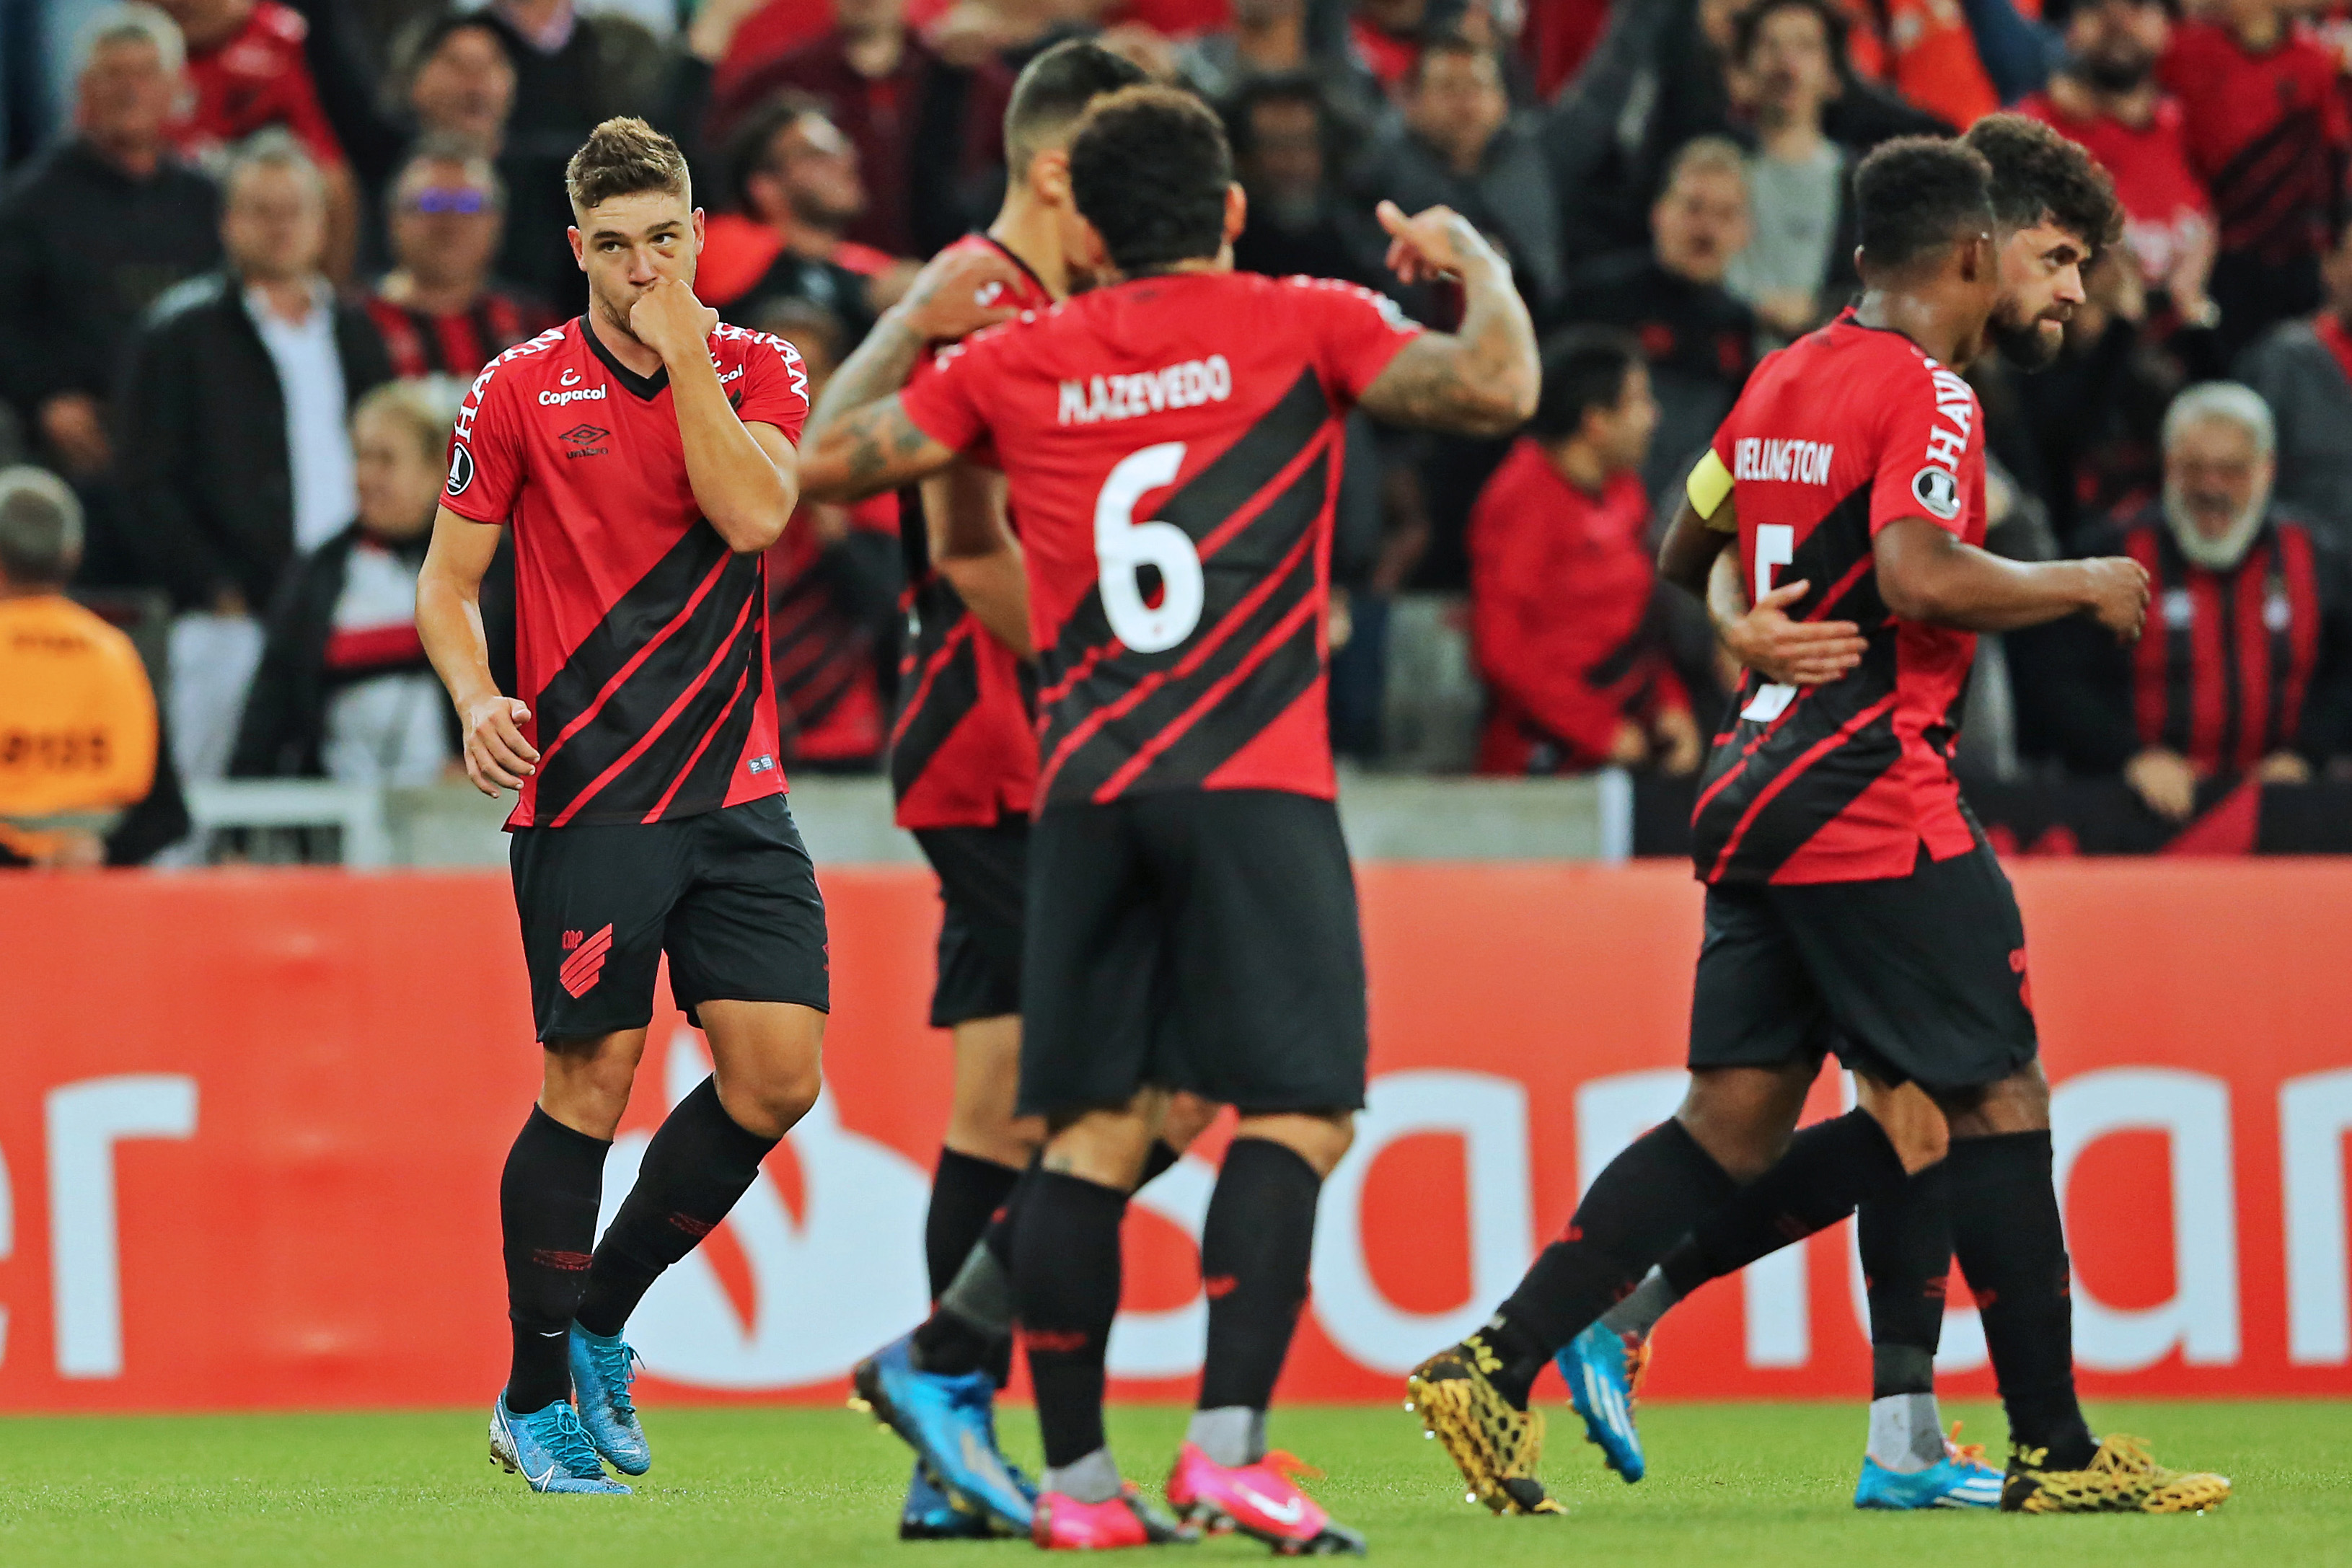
(983, 882)
(1201, 940)
(1909, 979)
(730, 895)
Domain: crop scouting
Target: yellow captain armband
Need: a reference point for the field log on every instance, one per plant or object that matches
(1709, 484)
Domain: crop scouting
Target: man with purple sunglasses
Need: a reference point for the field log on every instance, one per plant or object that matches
(437, 309)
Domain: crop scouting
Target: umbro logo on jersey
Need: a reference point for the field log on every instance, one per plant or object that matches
(580, 441)
(586, 965)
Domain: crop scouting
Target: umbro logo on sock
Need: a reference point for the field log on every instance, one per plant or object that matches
(586, 965)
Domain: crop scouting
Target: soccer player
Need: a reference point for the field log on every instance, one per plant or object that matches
(2054, 210)
(1171, 443)
(1851, 900)
(642, 454)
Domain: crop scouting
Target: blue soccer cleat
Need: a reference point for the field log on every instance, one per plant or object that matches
(602, 1367)
(930, 1516)
(547, 1449)
(950, 1423)
(1603, 1371)
(1960, 1479)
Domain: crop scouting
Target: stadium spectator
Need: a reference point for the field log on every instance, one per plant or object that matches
(90, 234)
(2303, 371)
(1458, 143)
(1388, 36)
(1562, 583)
(927, 133)
(461, 87)
(832, 606)
(1283, 135)
(794, 187)
(1698, 339)
(1799, 234)
(2246, 666)
(343, 691)
(436, 310)
(2269, 133)
(1267, 39)
(1924, 50)
(2106, 98)
(85, 779)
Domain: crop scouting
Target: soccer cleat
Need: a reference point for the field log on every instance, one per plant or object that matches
(930, 1516)
(1062, 1524)
(1260, 1500)
(1960, 1479)
(2123, 1477)
(547, 1449)
(602, 1367)
(1494, 1446)
(1603, 1370)
(950, 1424)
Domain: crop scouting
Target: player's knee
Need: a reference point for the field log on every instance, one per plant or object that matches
(1320, 1138)
(1185, 1118)
(773, 1101)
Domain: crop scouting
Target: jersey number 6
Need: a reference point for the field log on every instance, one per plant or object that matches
(1123, 547)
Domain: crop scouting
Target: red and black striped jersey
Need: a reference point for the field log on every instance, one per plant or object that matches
(1836, 435)
(458, 343)
(1173, 446)
(641, 639)
(2267, 133)
(963, 750)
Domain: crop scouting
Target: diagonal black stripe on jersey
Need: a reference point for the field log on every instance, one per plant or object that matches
(952, 695)
(2293, 134)
(1838, 544)
(651, 604)
(638, 704)
(1834, 780)
(1208, 499)
(1236, 715)
(633, 792)
(1228, 577)
(706, 787)
(1822, 713)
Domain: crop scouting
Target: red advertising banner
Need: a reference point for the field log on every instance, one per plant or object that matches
(251, 1125)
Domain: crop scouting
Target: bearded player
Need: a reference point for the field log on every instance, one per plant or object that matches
(643, 457)
(2054, 210)
(1171, 443)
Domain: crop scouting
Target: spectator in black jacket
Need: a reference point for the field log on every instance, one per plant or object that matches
(344, 689)
(91, 235)
(1283, 135)
(228, 471)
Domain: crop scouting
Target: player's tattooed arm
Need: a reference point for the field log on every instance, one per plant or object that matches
(1482, 380)
(868, 450)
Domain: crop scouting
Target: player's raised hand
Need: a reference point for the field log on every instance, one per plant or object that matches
(669, 320)
(497, 756)
(957, 292)
(1792, 652)
(1433, 243)
(2120, 592)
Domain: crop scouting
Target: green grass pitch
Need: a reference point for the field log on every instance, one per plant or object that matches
(1749, 1484)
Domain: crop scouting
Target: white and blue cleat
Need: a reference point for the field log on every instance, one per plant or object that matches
(1954, 1481)
(950, 1423)
(602, 1367)
(547, 1449)
(1602, 1371)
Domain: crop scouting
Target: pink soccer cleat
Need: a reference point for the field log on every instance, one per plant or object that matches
(1260, 1500)
(1062, 1524)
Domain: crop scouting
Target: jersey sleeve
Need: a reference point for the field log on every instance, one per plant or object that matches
(1357, 332)
(1930, 424)
(486, 461)
(944, 397)
(775, 385)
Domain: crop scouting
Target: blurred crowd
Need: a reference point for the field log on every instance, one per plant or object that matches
(252, 250)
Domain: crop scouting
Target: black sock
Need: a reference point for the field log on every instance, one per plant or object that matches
(548, 1195)
(2011, 1244)
(1255, 1249)
(998, 1236)
(1906, 1260)
(970, 1326)
(1644, 1201)
(966, 1194)
(699, 1163)
(1828, 1168)
(1066, 1279)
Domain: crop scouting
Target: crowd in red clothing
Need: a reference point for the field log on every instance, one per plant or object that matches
(1666, 177)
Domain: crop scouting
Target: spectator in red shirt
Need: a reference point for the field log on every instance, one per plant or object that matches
(2106, 98)
(2269, 133)
(1561, 582)
(436, 309)
(927, 133)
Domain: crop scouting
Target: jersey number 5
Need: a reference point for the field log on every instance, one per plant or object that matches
(1123, 547)
(1776, 545)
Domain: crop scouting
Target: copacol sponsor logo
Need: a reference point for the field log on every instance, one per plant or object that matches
(579, 395)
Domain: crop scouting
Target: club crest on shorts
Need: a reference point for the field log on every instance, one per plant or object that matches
(585, 966)
(1937, 490)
